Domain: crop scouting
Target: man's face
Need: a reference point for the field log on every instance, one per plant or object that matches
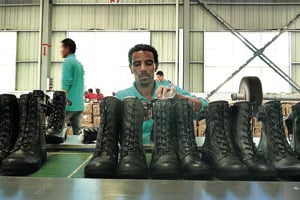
(64, 51)
(143, 67)
(159, 78)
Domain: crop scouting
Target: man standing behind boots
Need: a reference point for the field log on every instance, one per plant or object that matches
(143, 63)
(72, 83)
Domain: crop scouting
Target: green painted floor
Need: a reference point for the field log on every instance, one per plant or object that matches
(64, 164)
(69, 164)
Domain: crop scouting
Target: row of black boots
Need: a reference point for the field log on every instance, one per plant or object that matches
(228, 151)
(174, 154)
(229, 148)
(23, 128)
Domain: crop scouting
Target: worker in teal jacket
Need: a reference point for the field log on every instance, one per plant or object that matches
(143, 63)
(160, 79)
(72, 83)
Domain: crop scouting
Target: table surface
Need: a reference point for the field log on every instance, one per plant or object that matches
(61, 177)
(76, 188)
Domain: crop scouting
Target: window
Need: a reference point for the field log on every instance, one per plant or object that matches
(104, 56)
(8, 41)
(224, 53)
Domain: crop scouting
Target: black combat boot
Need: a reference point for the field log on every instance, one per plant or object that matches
(105, 158)
(191, 166)
(56, 128)
(293, 126)
(9, 123)
(242, 138)
(29, 151)
(273, 145)
(218, 150)
(164, 163)
(132, 163)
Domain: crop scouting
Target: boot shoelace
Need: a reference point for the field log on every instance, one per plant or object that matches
(57, 113)
(164, 141)
(130, 140)
(187, 140)
(246, 128)
(277, 133)
(105, 135)
(219, 128)
(29, 126)
(4, 132)
(105, 139)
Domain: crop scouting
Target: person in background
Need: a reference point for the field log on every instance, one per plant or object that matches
(161, 80)
(72, 83)
(100, 96)
(90, 96)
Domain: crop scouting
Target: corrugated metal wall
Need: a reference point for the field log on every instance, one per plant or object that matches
(159, 19)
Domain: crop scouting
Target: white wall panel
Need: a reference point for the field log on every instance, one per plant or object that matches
(8, 41)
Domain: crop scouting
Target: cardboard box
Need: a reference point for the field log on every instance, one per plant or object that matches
(86, 119)
(201, 128)
(96, 121)
(69, 130)
(88, 109)
(195, 123)
(256, 127)
(287, 107)
(96, 109)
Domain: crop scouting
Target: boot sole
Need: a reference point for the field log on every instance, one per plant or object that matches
(288, 174)
(203, 175)
(130, 175)
(99, 175)
(15, 170)
(50, 139)
(232, 175)
(263, 175)
(164, 175)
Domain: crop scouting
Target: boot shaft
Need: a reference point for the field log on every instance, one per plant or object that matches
(9, 111)
(163, 128)
(109, 128)
(295, 117)
(217, 133)
(132, 123)
(56, 119)
(9, 121)
(273, 141)
(241, 129)
(32, 123)
(184, 128)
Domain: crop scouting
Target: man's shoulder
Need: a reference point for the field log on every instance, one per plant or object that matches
(121, 94)
(72, 59)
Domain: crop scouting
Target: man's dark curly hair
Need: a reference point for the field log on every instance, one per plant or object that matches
(69, 43)
(142, 47)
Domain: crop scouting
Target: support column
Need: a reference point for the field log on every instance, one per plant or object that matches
(45, 53)
(186, 45)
